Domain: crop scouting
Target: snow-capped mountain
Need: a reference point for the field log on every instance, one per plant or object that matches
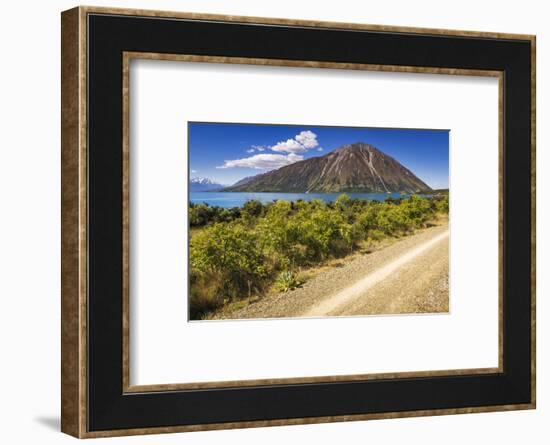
(200, 184)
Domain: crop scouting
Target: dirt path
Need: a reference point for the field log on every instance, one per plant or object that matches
(351, 296)
(408, 276)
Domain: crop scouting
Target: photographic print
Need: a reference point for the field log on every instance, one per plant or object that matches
(312, 221)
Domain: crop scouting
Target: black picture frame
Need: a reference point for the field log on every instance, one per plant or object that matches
(94, 401)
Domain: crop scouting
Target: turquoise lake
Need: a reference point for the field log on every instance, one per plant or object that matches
(237, 199)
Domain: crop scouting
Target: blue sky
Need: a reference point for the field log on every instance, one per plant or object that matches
(226, 153)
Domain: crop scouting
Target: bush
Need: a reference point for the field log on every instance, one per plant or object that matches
(442, 204)
(287, 281)
(231, 252)
(205, 294)
(203, 214)
(252, 208)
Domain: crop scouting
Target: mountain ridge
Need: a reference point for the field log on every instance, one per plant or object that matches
(357, 167)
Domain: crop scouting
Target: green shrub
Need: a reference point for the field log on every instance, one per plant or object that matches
(287, 281)
(252, 208)
(232, 252)
(203, 214)
(442, 204)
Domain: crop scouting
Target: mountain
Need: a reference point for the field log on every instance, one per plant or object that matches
(203, 185)
(247, 179)
(358, 167)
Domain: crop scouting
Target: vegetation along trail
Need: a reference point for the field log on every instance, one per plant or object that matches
(407, 275)
(308, 259)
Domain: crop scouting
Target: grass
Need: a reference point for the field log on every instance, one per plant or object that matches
(287, 281)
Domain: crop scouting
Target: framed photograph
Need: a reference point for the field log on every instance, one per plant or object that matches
(274, 222)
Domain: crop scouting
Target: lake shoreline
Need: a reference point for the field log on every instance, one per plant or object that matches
(238, 199)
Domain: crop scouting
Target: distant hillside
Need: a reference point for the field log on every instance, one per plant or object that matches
(247, 179)
(358, 167)
(204, 185)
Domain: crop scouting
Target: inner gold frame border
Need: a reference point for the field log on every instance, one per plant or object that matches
(74, 229)
(128, 56)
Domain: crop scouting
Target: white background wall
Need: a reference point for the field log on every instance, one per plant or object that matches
(29, 224)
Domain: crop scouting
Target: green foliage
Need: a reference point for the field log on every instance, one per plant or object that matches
(252, 208)
(239, 252)
(287, 281)
(230, 252)
(203, 214)
(343, 202)
(442, 203)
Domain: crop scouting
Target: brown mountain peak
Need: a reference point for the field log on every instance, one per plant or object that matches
(357, 167)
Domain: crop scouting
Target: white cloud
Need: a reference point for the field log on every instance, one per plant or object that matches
(289, 146)
(263, 161)
(255, 148)
(320, 149)
(193, 171)
(301, 143)
(308, 139)
(290, 149)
